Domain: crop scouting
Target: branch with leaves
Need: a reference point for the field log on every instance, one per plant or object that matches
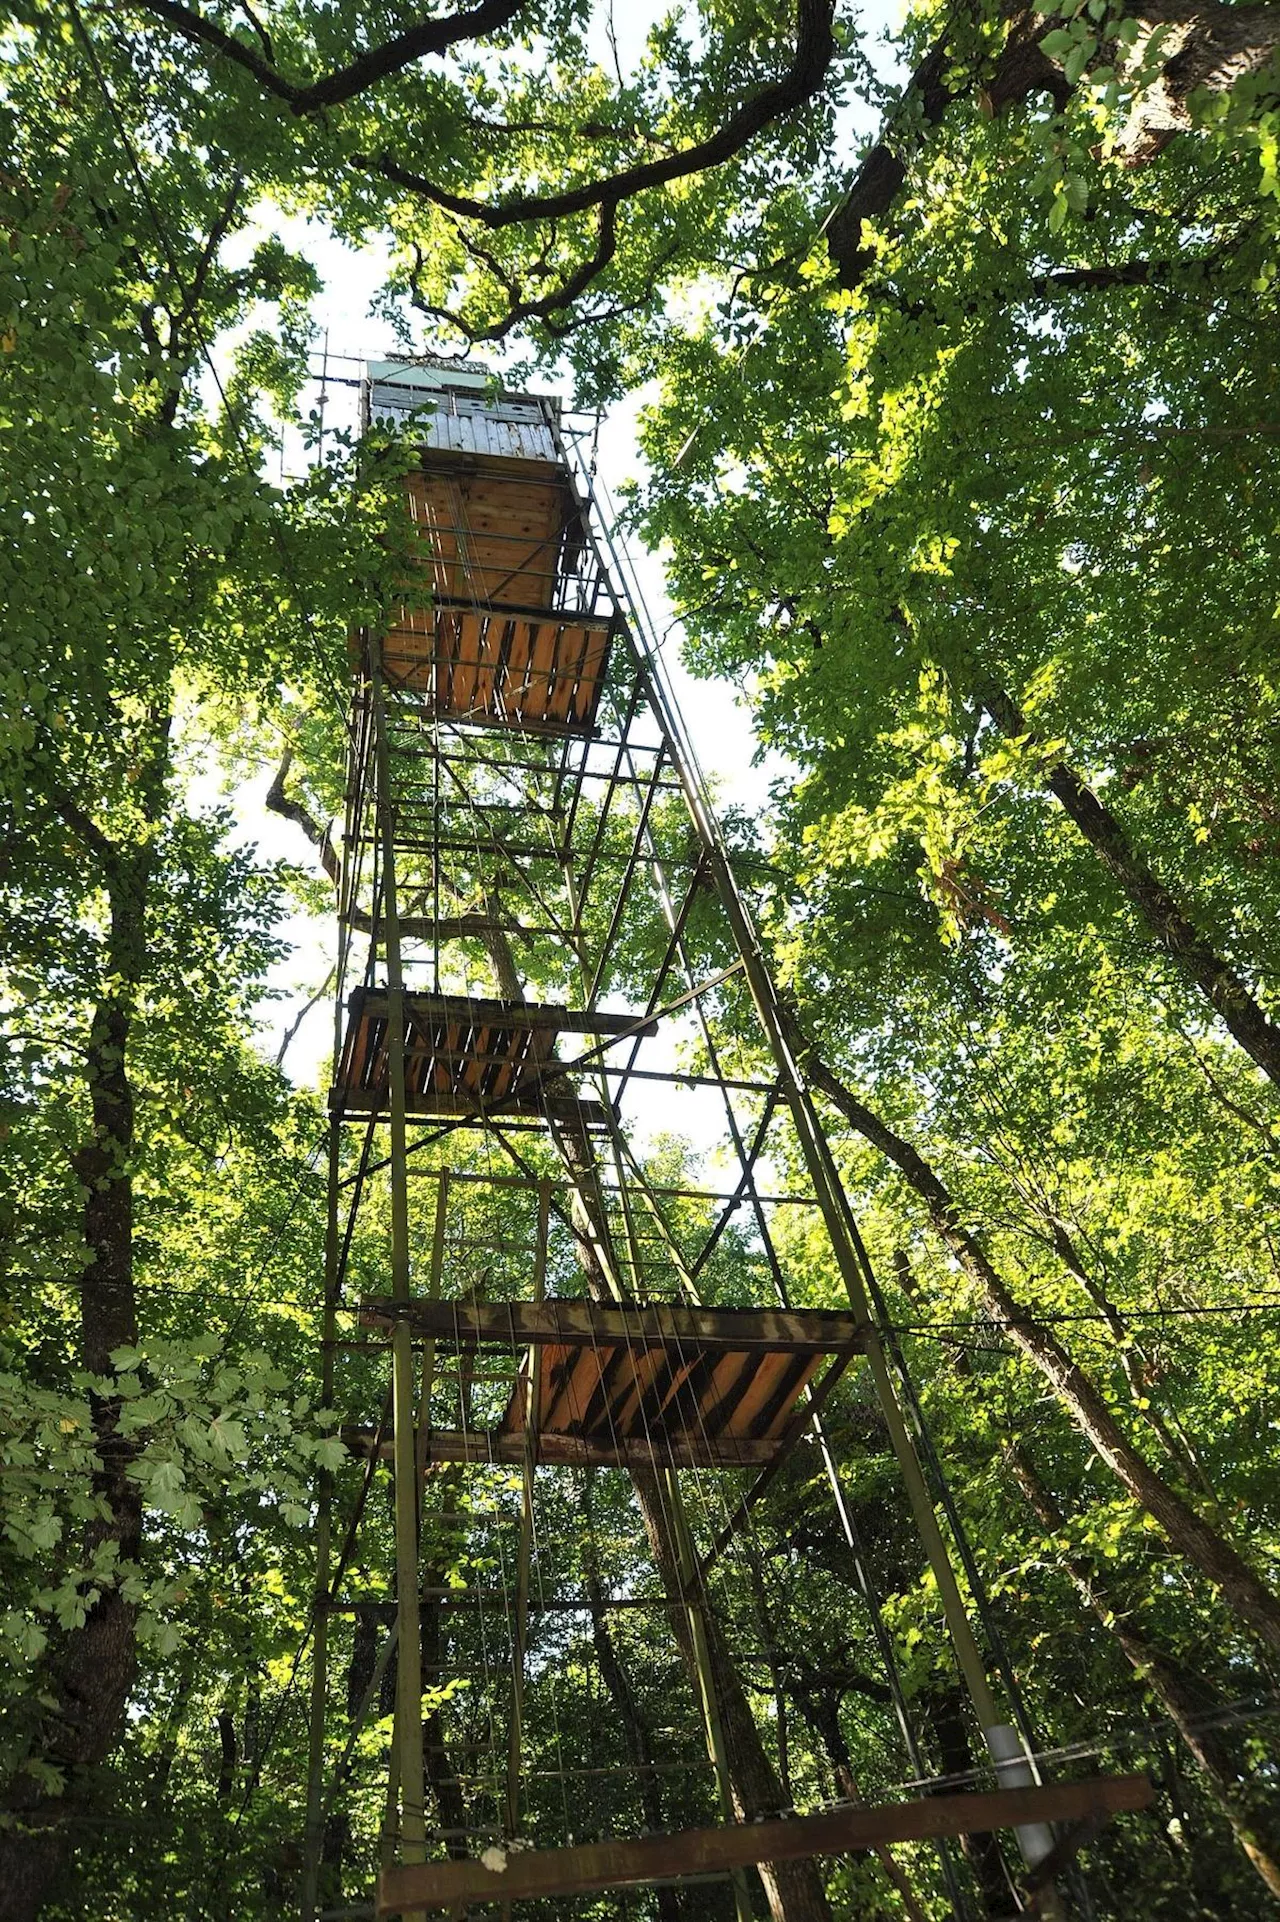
(424, 40)
(1174, 47)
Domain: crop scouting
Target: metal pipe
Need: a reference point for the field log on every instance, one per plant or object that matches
(687, 1568)
(408, 1716)
(313, 1836)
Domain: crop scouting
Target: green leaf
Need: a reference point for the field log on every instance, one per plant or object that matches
(1078, 59)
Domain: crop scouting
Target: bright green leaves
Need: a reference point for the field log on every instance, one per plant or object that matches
(206, 1439)
(1024, 456)
(924, 807)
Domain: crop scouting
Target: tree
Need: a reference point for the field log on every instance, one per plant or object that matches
(962, 483)
(142, 575)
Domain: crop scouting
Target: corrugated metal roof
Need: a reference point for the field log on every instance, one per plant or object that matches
(457, 413)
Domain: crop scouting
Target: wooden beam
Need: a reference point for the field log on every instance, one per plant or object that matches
(502, 1014)
(570, 1451)
(344, 1100)
(590, 1866)
(584, 618)
(588, 1324)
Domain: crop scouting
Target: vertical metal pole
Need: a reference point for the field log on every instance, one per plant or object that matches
(313, 1840)
(408, 1718)
(829, 1191)
(429, 1346)
(830, 1196)
(862, 1575)
(389, 1834)
(532, 1414)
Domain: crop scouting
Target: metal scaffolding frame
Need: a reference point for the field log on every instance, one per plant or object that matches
(534, 890)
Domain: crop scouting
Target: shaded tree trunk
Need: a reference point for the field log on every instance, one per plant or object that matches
(794, 1889)
(635, 1735)
(89, 1673)
(944, 1706)
(158, 1792)
(1249, 1809)
(229, 1755)
(1187, 1532)
(1164, 916)
(440, 1767)
(821, 1710)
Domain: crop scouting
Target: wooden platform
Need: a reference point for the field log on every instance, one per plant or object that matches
(644, 1386)
(514, 633)
(539, 1873)
(496, 669)
(466, 1057)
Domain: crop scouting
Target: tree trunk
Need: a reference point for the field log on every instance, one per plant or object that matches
(90, 1673)
(1223, 986)
(635, 1735)
(1134, 1362)
(158, 1789)
(441, 1769)
(944, 1706)
(794, 1889)
(821, 1710)
(1250, 1811)
(1186, 1531)
(1208, 45)
(229, 1755)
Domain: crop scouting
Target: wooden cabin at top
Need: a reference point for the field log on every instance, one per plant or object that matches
(514, 624)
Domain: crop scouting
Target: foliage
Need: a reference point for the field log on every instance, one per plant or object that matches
(969, 490)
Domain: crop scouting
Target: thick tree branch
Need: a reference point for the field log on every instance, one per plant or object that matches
(212, 248)
(292, 1029)
(815, 47)
(879, 179)
(520, 308)
(1187, 1531)
(419, 42)
(86, 829)
(1224, 987)
(1207, 45)
(282, 803)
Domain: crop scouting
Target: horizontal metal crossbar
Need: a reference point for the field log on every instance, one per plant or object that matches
(587, 1867)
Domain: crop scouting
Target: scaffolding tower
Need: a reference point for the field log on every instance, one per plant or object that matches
(548, 949)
